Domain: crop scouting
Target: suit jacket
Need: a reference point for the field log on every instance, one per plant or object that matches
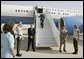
(42, 17)
(31, 33)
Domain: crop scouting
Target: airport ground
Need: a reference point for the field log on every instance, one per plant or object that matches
(52, 52)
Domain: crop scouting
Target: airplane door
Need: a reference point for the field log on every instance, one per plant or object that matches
(40, 10)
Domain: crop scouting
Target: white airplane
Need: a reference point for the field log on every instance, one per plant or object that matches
(25, 14)
(22, 13)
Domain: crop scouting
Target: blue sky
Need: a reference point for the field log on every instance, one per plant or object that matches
(55, 4)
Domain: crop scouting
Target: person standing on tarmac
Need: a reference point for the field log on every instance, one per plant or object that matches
(63, 38)
(31, 38)
(19, 38)
(7, 42)
(76, 32)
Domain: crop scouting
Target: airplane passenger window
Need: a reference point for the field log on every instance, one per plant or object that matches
(21, 10)
(63, 13)
(59, 13)
(26, 10)
(18, 10)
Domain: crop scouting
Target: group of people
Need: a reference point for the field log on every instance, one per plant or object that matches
(8, 39)
(64, 36)
(8, 49)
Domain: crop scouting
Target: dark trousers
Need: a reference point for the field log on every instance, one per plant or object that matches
(42, 24)
(62, 41)
(75, 44)
(18, 45)
(29, 43)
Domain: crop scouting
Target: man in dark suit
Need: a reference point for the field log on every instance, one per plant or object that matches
(42, 17)
(31, 39)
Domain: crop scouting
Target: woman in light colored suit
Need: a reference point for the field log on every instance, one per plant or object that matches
(7, 42)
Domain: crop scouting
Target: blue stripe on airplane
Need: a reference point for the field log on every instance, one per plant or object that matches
(17, 19)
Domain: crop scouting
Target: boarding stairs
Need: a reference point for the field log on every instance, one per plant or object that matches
(48, 36)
